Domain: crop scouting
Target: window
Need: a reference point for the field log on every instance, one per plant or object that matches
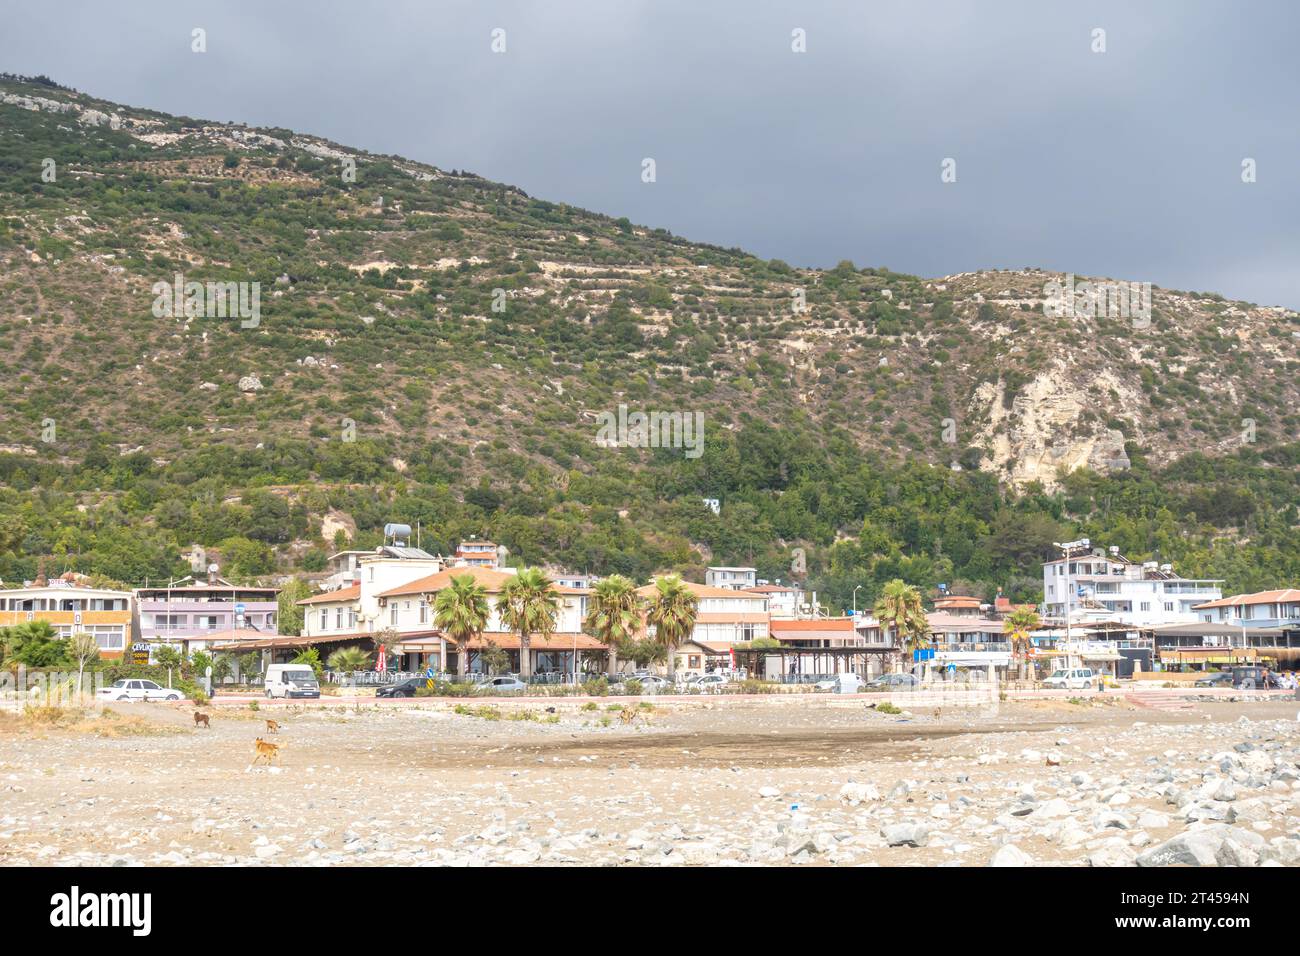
(424, 612)
(109, 638)
(392, 615)
(1169, 605)
(1146, 605)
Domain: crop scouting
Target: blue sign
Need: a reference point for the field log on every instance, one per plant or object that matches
(239, 610)
(923, 654)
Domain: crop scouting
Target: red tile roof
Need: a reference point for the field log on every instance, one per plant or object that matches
(491, 579)
(352, 593)
(705, 591)
(1284, 596)
(844, 624)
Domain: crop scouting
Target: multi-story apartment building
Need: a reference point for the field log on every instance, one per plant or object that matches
(354, 610)
(1097, 586)
(477, 553)
(1279, 608)
(408, 609)
(724, 615)
(736, 579)
(783, 600)
(72, 608)
(190, 612)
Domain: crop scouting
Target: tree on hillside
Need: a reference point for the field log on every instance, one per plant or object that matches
(461, 612)
(614, 614)
(672, 612)
(528, 606)
(289, 615)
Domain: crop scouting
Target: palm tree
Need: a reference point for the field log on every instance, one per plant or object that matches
(528, 605)
(899, 608)
(346, 660)
(614, 614)
(1018, 624)
(461, 612)
(672, 614)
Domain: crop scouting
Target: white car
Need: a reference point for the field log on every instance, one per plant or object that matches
(710, 683)
(138, 690)
(652, 682)
(846, 683)
(505, 683)
(1075, 678)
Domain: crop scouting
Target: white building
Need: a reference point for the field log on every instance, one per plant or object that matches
(1280, 608)
(735, 579)
(1105, 586)
(724, 616)
(354, 609)
(783, 600)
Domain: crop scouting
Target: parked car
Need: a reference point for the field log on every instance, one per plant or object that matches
(891, 682)
(845, 683)
(505, 684)
(1074, 678)
(708, 683)
(653, 682)
(1219, 679)
(1253, 677)
(291, 680)
(406, 688)
(138, 690)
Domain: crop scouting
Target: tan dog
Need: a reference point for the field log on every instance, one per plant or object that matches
(201, 718)
(272, 726)
(264, 749)
(630, 715)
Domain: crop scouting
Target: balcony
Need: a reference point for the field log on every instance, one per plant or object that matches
(967, 647)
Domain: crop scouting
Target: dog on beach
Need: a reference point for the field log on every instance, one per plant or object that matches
(263, 749)
(630, 715)
(272, 726)
(201, 718)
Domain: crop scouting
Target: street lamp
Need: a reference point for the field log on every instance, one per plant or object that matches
(855, 599)
(1066, 548)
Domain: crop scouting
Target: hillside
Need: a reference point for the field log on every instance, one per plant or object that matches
(928, 425)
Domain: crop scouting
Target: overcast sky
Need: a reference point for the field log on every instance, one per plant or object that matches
(1126, 163)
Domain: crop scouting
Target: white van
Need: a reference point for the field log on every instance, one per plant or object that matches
(843, 683)
(291, 680)
(1076, 678)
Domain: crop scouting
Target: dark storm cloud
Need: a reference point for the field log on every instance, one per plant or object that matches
(1124, 164)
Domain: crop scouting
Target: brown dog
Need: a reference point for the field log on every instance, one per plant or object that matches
(265, 750)
(201, 718)
(272, 726)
